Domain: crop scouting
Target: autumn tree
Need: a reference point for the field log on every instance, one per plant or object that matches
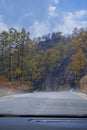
(78, 62)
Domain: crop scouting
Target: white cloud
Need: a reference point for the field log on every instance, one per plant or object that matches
(56, 1)
(64, 22)
(81, 13)
(52, 10)
(71, 20)
(38, 29)
(3, 26)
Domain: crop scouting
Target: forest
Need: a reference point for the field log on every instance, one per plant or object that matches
(50, 62)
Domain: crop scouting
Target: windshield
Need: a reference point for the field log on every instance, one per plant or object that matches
(43, 57)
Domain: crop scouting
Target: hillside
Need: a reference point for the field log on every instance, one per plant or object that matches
(49, 63)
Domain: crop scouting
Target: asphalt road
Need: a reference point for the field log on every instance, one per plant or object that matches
(40, 103)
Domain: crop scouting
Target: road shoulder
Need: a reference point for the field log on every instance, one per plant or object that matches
(81, 95)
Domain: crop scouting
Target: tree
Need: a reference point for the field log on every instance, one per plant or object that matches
(78, 62)
(75, 32)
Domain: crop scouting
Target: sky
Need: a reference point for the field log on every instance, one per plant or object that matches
(41, 17)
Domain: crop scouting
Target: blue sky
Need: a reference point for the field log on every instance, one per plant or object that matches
(40, 17)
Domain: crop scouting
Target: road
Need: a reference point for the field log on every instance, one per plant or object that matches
(40, 103)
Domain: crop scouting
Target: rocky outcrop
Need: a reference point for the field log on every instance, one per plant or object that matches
(83, 84)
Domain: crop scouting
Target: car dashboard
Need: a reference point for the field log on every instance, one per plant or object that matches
(42, 123)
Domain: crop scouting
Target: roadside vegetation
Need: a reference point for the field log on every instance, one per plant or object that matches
(51, 62)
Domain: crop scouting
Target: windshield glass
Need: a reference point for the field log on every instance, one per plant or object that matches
(43, 57)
